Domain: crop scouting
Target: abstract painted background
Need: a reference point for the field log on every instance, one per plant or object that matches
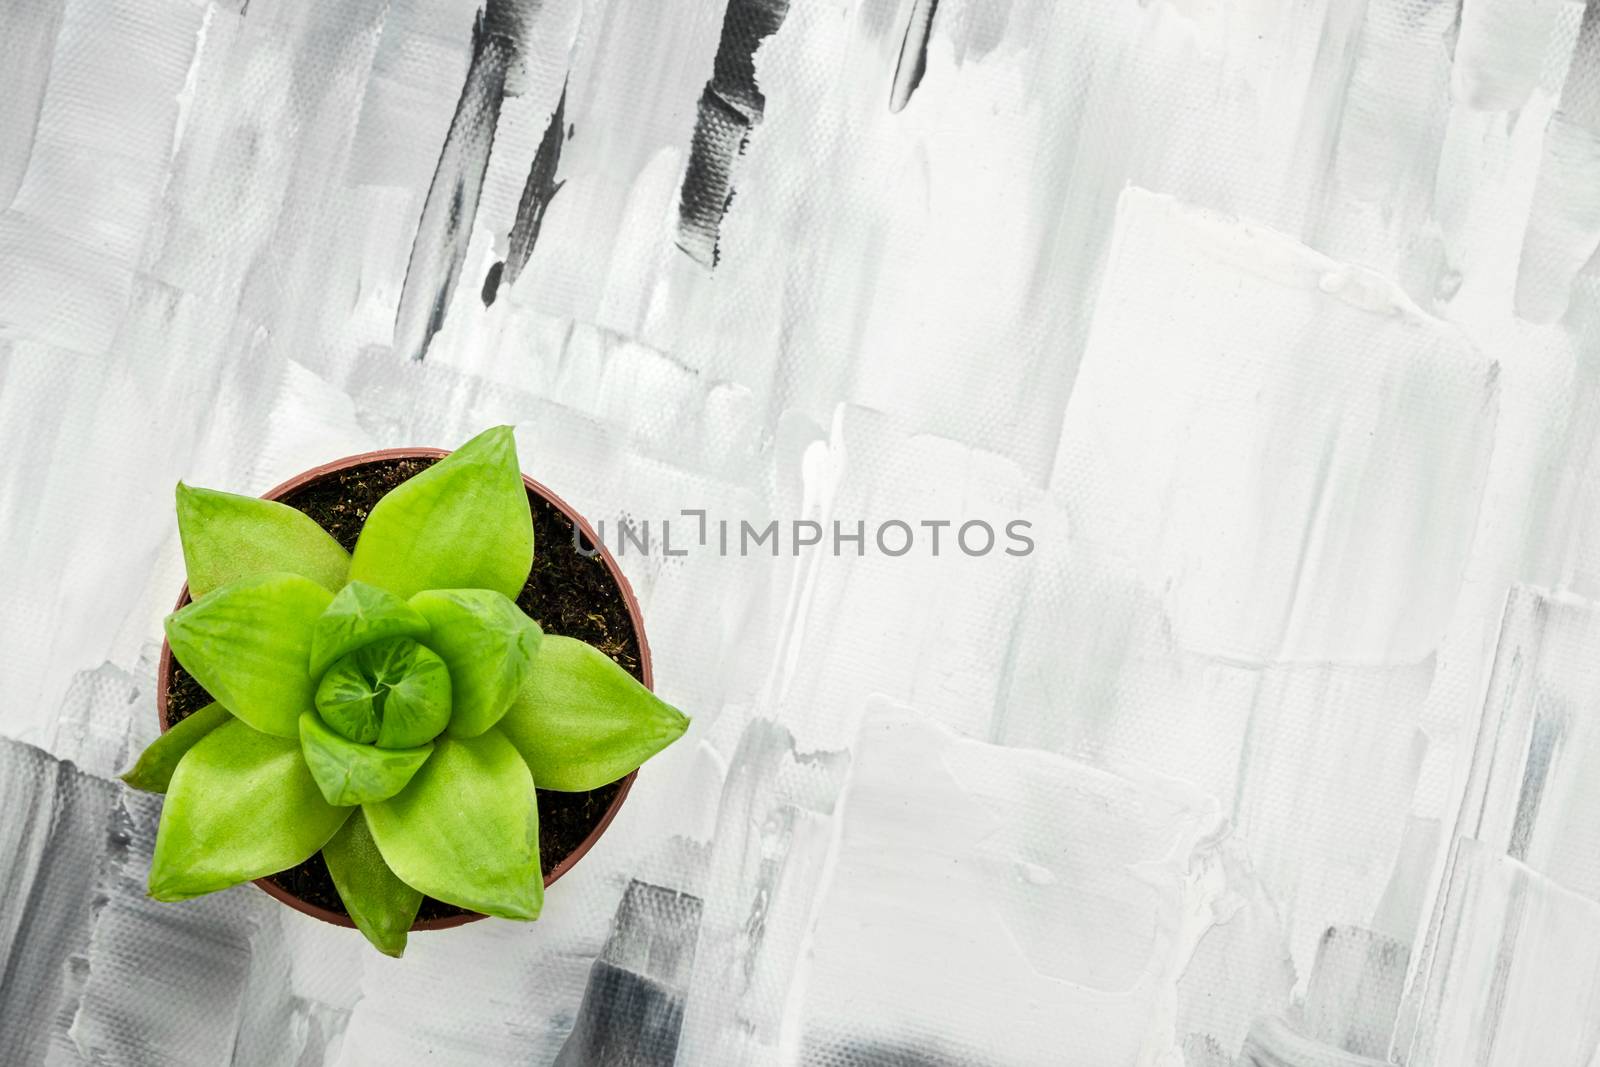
(1279, 321)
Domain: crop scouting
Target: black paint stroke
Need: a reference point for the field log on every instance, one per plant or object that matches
(66, 831)
(537, 192)
(445, 228)
(632, 1010)
(913, 61)
(730, 107)
(491, 283)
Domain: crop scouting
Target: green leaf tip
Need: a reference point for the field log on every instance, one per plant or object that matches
(463, 523)
(379, 903)
(361, 614)
(227, 537)
(155, 766)
(248, 643)
(466, 830)
(349, 773)
(242, 804)
(580, 721)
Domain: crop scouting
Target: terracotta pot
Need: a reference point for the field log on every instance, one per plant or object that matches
(164, 671)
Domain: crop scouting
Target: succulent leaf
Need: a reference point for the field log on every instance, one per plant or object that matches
(349, 773)
(466, 829)
(241, 804)
(248, 644)
(347, 701)
(360, 615)
(394, 693)
(464, 523)
(581, 721)
(153, 770)
(381, 905)
(419, 701)
(227, 537)
(488, 644)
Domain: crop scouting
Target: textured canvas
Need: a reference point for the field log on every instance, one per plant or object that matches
(1115, 484)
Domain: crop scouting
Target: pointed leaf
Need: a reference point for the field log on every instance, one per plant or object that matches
(348, 773)
(361, 614)
(463, 523)
(489, 646)
(153, 771)
(381, 905)
(227, 537)
(241, 804)
(249, 644)
(581, 721)
(466, 830)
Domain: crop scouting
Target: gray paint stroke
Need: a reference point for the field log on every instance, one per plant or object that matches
(913, 60)
(53, 842)
(445, 229)
(731, 106)
(632, 1009)
(540, 188)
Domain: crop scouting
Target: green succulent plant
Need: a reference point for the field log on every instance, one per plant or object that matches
(392, 707)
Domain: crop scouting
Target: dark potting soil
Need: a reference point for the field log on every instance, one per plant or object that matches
(568, 593)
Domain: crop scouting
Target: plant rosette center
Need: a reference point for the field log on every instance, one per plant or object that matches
(391, 707)
(397, 674)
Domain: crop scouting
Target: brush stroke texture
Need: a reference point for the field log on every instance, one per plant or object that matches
(912, 62)
(52, 843)
(731, 106)
(540, 188)
(27, 46)
(1515, 976)
(633, 1004)
(1067, 908)
(72, 231)
(1501, 50)
(445, 228)
(1563, 232)
(1278, 494)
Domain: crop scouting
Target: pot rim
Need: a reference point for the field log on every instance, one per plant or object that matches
(164, 671)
